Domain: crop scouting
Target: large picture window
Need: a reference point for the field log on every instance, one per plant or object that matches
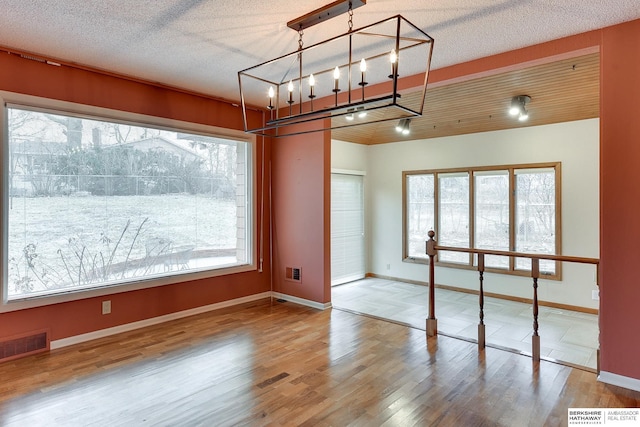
(504, 208)
(93, 203)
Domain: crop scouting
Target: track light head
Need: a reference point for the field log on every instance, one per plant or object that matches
(403, 126)
(350, 116)
(518, 104)
(515, 109)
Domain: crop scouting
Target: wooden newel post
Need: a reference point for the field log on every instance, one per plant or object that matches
(432, 322)
(535, 339)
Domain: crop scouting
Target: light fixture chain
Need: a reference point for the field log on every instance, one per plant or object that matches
(300, 42)
(350, 17)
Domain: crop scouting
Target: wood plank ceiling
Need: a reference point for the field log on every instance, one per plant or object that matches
(560, 91)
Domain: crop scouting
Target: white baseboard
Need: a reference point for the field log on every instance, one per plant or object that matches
(619, 380)
(77, 339)
(302, 301)
(64, 342)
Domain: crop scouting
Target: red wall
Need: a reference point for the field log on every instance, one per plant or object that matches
(97, 89)
(620, 199)
(301, 213)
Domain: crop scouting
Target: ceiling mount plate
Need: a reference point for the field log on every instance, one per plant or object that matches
(324, 13)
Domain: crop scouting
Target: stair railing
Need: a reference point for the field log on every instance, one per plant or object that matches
(432, 249)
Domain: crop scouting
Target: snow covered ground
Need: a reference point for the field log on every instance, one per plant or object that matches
(58, 242)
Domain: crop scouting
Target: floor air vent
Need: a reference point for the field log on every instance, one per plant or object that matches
(24, 345)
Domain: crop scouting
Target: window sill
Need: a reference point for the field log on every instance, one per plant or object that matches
(74, 295)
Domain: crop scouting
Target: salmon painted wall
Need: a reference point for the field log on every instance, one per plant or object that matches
(97, 89)
(620, 200)
(301, 213)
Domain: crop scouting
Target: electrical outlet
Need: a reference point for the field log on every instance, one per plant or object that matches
(595, 294)
(388, 266)
(106, 307)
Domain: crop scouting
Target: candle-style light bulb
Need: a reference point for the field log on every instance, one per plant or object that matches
(363, 70)
(312, 83)
(290, 89)
(336, 77)
(393, 58)
(272, 93)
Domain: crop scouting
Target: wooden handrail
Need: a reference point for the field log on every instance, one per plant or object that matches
(550, 257)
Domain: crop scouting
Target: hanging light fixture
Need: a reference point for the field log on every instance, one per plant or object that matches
(518, 104)
(352, 79)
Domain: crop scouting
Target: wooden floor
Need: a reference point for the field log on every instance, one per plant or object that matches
(271, 363)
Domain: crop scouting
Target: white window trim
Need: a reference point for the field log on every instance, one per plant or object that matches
(133, 119)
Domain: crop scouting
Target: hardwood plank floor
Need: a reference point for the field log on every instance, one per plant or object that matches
(270, 363)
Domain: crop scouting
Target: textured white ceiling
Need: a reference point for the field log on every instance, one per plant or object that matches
(200, 45)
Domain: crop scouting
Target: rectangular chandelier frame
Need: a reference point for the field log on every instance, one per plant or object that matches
(304, 86)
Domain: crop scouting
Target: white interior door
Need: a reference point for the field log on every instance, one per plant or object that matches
(347, 228)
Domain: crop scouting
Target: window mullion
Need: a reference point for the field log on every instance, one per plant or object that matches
(472, 214)
(436, 205)
(558, 215)
(512, 216)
